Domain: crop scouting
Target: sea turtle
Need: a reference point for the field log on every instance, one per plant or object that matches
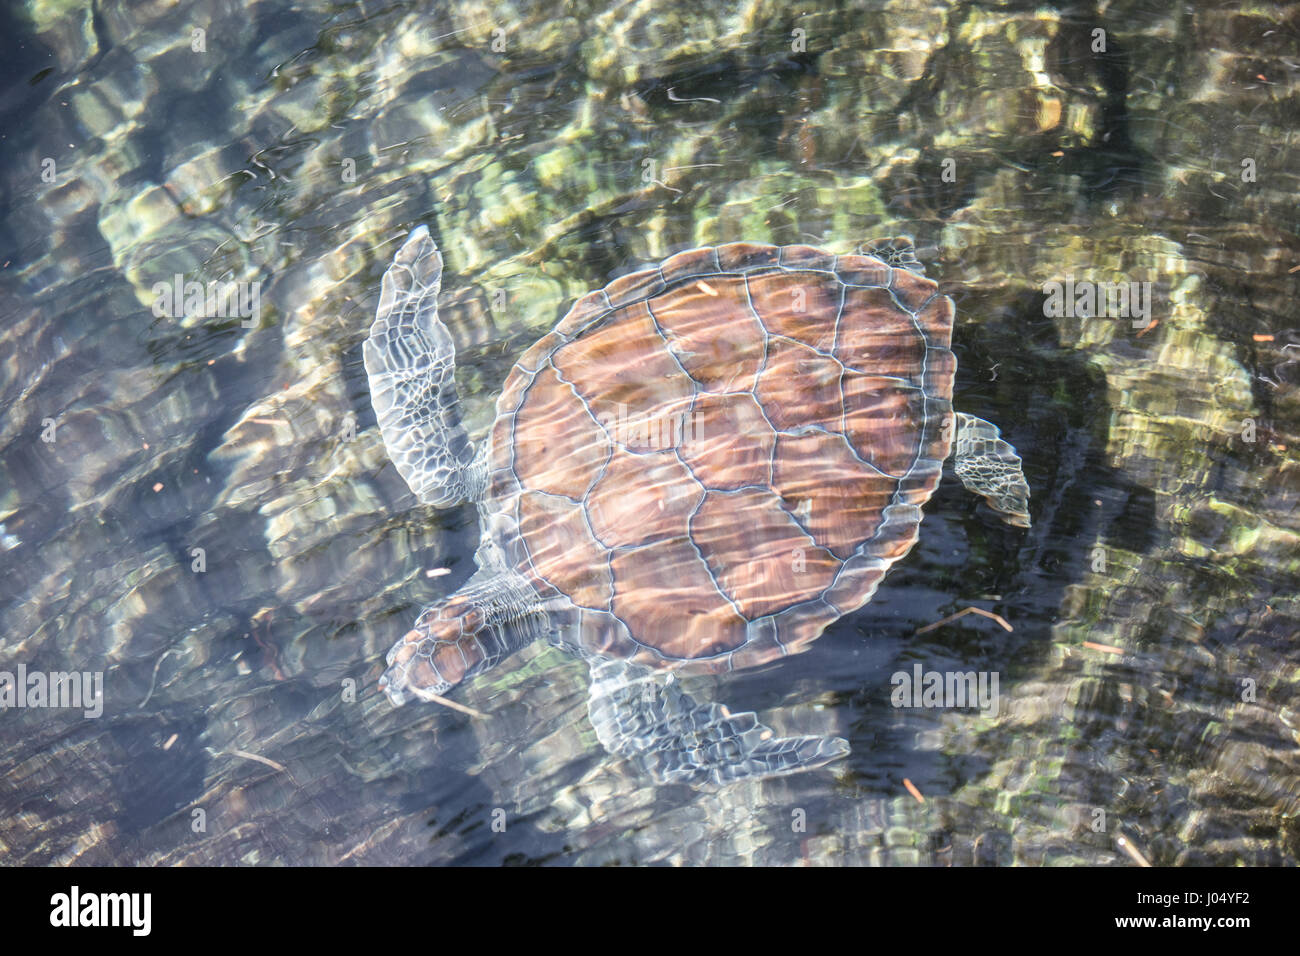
(699, 469)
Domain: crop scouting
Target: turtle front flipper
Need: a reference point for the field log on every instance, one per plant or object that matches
(680, 741)
(410, 361)
(493, 615)
(990, 467)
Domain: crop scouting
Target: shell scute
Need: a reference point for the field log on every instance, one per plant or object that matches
(804, 306)
(586, 310)
(857, 582)
(761, 645)
(835, 496)
(731, 442)
(806, 257)
(539, 352)
(634, 286)
(602, 634)
(502, 480)
(671, 574)
(876, 338)
(621, 368)
(935, 320)
(913, 290)
(748, 529)
(799, 385)
(712, 332)
(689, 264)
(558, 447)
(747, 256)
(798, 626)
(863, 271)
(564, 553)
(873, 409)
(896, 532)
(656, 486)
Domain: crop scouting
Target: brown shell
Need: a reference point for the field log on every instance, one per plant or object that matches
(716, 458)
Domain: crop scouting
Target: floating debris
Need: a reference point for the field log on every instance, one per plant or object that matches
(962, 613)
(1108, 648)
(1123, 843)
(262, 760)
(464, 709)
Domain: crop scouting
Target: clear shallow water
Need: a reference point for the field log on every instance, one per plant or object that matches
(1160, 573)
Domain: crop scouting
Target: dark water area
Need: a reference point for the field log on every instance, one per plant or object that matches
(200, 508)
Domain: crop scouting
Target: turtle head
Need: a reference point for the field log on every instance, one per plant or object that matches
(897, 251)
(489, 618)
(430, 659)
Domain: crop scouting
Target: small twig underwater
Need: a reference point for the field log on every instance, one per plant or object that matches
(464, 709)
(962, 613)
(157, 664)
(233, 751)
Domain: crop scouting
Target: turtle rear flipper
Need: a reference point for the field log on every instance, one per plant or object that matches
(678, 740)
(990, 467)
(410, 361)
